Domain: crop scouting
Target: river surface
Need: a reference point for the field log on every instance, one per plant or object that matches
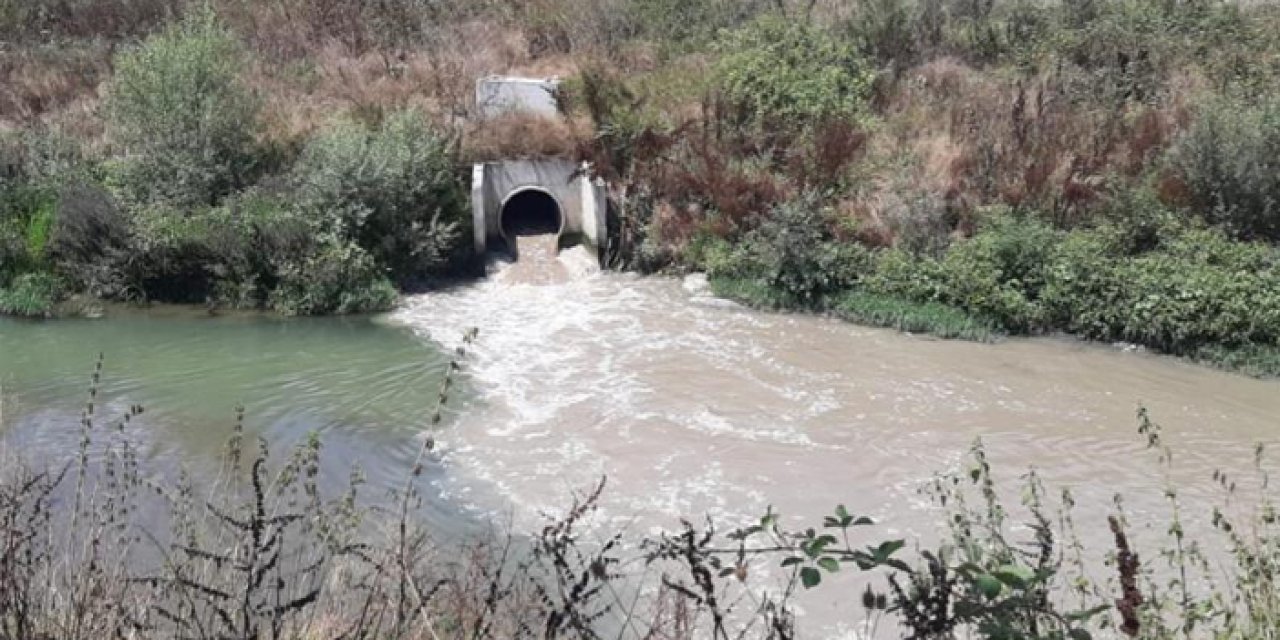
(690, 405)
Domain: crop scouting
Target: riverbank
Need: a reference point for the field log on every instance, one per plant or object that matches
(1174, 287)
(320, 167)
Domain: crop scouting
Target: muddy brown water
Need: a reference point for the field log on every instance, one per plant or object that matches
(690, 405)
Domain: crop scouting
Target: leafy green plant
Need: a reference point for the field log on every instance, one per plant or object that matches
(784, 75)
(182, 119)
(999, 273)
(793, 253)
(338, 278)
(391, 191)
(1228, 158)
(31, 295)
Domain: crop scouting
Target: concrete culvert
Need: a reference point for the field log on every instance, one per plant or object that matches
(530, 212)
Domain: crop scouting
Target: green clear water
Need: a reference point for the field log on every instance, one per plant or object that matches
(367, 387)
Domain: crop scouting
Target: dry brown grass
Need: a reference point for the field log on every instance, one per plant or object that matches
(976, 138)
(42, 80)
(523, 136)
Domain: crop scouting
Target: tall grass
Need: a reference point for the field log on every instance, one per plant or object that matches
(913, 317)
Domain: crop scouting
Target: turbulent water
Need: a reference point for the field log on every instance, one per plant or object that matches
(690, 405)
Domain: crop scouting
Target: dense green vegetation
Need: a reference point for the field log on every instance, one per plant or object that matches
(1104, 169)
(970, 169)
(193, 207)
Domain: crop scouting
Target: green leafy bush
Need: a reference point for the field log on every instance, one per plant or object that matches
(1197, 288)
(338, 278)
(999, 272)
(31, 295)
(229, 255)
(793, 253)
(391, 191)
(181, 117)
(26, 219)
(1230, 159)
(783, 74)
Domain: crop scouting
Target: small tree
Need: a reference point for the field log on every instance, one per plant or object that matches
(184, 121)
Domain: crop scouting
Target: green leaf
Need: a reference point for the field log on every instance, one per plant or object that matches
(829, 563)
(888, 548)
(988, 585)
(810, 577)
(1077, 616)
(793, 560)
(1017, 576)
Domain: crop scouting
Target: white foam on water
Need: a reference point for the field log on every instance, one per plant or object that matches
(691, 407)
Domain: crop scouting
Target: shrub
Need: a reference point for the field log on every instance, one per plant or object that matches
(904, 275)
(89, 234)
(391, 191)
(31, 295)
(781, 74)
(999, 273)
(338, 278)
(793, 253)
(1229, 161)
(181, 116)
(26, 218)
(1198, 288)
(689, 23)
(229, 255)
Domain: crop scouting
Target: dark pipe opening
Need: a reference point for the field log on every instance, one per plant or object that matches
(530, 213)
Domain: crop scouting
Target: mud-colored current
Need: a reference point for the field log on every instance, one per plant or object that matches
(689, 404)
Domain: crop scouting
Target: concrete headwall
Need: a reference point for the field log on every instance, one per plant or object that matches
(580, 199)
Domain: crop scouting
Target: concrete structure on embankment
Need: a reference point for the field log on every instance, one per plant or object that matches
(532, 195)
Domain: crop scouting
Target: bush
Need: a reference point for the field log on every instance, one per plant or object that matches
(999, 273)
(229, 255)
(1198, 288)
(31, 295)
(1229, 159)
(181, 116)
(89, 235)
(391, 191)
(782, 75)
(339, 278)
(793, 253)
(26, 218)
(689, 23)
